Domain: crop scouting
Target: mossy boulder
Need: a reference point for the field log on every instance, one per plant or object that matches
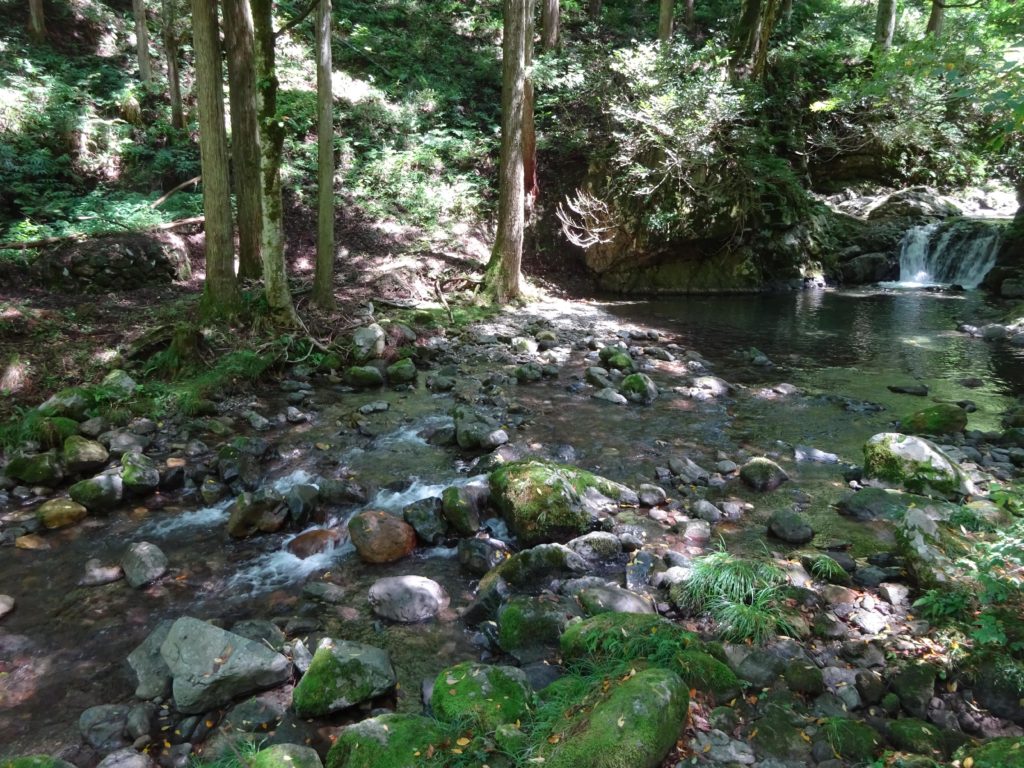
(543, 501)
(98, 494)
(625, 637)
(914, 464)
(36, 761)
(365, 377)
(852, 741)
(888, 504)
(460, 507)
(139, 474)
(913, 735)
(915, 685)
(523, 569)
(483, 695)
(777, 734)
(286, 756)
(68, 403)
(402, 371)
(1007, 752)
(37, 469)
(999, 687)
(60, 513)
(763, 474)
(81, 454)
(705, 673)
(529, 627)
(638, 388)
(632, 724)
(938, 419)
(616, 358)
(804, 677)
(930, 548)
(386, 741)
(343, 674)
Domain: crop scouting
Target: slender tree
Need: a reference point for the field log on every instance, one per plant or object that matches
(503, 279)
(169, 11)
(550, 23)
(142, 40)
(690, 25)
(885, 26)
(531, 188)
(323, 289)
(220, 291)
(594, 9)
(936, 19)
(275, 278)
(750, 42)
(36, 20)
(666, 10)
(245, 139)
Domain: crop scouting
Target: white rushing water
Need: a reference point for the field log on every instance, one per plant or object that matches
(948, 253)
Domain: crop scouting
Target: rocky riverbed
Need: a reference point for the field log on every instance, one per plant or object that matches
(421, 557)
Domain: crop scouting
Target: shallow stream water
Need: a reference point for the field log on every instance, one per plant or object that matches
(64, 647)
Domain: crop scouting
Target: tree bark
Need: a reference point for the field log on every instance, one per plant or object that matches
(245, 139)
(170, 35)
(936, 19)
(142, 40)
(36, 20)
(750, 45)
(665, 13)
(275, 279)
(220, 291)
(530, 186)
(690, 24)
(503, 279)
(885, 26)
(550, 23)
(594, 10)
(323, 288)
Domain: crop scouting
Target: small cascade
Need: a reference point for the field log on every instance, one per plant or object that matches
(956, 252)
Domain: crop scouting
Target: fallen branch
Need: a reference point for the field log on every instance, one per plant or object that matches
(444, 301)
(160, 201)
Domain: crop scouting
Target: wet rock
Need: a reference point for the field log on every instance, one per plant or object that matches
(341, 491)
(325, 592)
(806, 453)
(82, 455)
(529, 627)
(918, 390)
(480, 695)
(478, 556)
(475, 430)
(6, 605)
(368, 342)
(543, 501)
(122, 441)
(599, 377)
(365, 377)
(260, 631)
(31, 541)
(407, 599)
(638, 388)
(763, 474)
(98, 494)
(716, 746)
(687, 471)
(610, 395)
(598, 547)
(427, 520)
(143, 564)
(529, 373)
(790, 526)
(462, 505)
(151, 671)
(610, 599)
(802, 677)
(380, 537)
(261, 512)
(697, 532)
(315, 542)
(342, 674)
(210, 666)
(60, 513)
(39, 469)
(139, 474)
(705, 510)
(103, 727)
(915, 464)
(915, 685)
(397, 740)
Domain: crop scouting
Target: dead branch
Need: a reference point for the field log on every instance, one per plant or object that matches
(586, 220)
(160, 201)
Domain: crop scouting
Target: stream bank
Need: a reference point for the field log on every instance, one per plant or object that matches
(542, 382)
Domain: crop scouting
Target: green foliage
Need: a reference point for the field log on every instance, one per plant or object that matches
(32, 426)
(825, 568)
(239, 754)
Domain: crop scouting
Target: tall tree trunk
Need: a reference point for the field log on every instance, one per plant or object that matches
(665, 13)
(690, 24)
(594, 9)
(170, 35)
(245, 138)
(750, 45)
(787, 11)
(530, 186)
(936, 19)
(142, 40)
(885, 26)
(550, 23)
(275, 278)
(503, 278)
(323, 289)
(36, 20)
(220, 291)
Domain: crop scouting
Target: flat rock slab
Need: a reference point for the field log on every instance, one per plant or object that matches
(211, 666)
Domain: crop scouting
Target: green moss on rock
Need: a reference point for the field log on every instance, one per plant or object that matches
(486, 696)
(1005, 752)
(36, 761)
(387, 741)
(913, 735)
(851, 740)
(938, 419)
(915, 464)
(626, 637)
(39, 469)
(341, 675)
(529, 627)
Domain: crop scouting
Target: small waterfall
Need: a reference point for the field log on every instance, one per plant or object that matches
(957, 252)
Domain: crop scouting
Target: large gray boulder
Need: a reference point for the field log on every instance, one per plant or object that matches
(211, 666)
(407, 599)
(917, 465)
(149, 666)
(368, 343)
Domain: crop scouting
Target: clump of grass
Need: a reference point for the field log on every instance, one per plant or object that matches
(758, 619)
(239, 754)
(824, 568)
(32, 426)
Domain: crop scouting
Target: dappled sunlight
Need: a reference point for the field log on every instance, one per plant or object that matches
(14, 377)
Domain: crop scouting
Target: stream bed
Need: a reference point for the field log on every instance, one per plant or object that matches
(64, 647)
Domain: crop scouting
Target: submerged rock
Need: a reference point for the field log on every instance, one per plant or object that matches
(790, 526)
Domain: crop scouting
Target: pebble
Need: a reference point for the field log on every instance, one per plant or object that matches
(6, 605)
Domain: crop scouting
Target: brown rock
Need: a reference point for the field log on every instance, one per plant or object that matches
(31, 541)
(60, 513)
(314, 542)
(381, 538)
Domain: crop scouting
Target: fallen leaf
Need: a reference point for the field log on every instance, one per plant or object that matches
(462, 741)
